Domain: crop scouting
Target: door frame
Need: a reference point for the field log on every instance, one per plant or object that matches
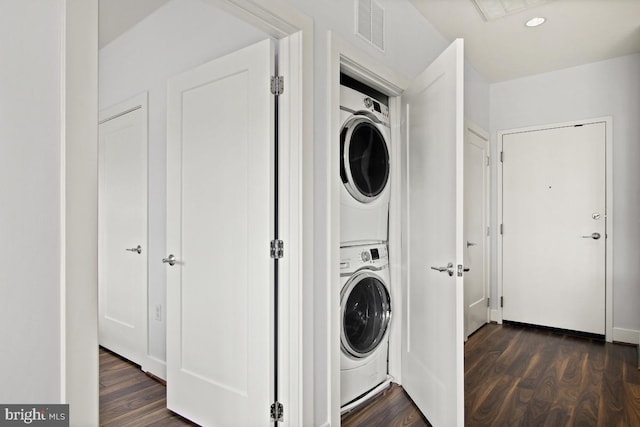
(139, 102)
(352, 61)
(608, 121)
(480, 132)
(78, 302)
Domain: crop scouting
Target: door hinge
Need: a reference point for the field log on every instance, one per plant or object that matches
(501, 301)
(502, 157)
(277, 249)
(277, 85)
(488, 161)
(501, 229)
(488, 231)
(277, 412)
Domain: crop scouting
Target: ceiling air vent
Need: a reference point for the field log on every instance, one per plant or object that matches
(494, 9)
(370, 22)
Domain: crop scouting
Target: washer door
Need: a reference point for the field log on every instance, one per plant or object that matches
(366, 311)
(364, 160)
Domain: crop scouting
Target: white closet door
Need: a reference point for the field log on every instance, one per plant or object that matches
(219, 225)
(433, 335)
(122, 228)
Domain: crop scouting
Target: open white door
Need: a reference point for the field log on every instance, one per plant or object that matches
(122, 229)
(220, 220)
(433, 334)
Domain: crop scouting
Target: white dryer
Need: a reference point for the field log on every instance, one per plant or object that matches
(365, 307)
(364, 168)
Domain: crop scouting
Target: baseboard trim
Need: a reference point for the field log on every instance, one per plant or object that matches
(628, 336)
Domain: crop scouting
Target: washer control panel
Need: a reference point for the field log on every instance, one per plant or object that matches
(353, 258)
(379, 110)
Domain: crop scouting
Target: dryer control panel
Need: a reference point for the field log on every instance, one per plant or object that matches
(353, 258)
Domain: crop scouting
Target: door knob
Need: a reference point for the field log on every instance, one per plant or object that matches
(594, 236)
(448, 269)
(171, 260)
(471, 243)
(136, 249)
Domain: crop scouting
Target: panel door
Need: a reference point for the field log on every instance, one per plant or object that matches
(433, 334)
(476, 184)
(122, 229)
(554, 227)
(219, 221)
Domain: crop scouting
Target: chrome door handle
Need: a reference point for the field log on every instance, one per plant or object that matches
(594, 236)
(171, 260)
(471, 243)
(448, 269)
(136, 249)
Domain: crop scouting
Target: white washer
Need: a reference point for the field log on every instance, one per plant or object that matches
(364, 168)
(365, 313)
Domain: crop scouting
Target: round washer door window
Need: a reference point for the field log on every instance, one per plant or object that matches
(366, 311)
(364, 160)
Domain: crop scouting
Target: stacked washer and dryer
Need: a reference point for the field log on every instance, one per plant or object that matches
(365, 297)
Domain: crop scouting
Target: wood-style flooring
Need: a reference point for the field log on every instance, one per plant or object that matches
(128, 397)
(521, 376)
(514, 376)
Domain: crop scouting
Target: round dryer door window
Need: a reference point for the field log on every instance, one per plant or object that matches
(364, 160)
(366, 311)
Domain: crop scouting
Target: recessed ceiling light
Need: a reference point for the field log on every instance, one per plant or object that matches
(534, 22)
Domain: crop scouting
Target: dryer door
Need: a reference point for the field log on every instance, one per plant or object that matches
(366, 311)
(364, 159)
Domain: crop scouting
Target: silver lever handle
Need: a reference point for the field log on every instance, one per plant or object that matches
(594, 236)
(448, 269)
(136, 249)
(171, 260)
(471, 243)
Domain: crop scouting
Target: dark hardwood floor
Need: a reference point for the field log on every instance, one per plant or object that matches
(514, 376)
(520, 376)
(128, 397)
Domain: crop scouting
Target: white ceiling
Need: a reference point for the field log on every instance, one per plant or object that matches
(576, 32)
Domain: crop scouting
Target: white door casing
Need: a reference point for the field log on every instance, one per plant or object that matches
(433, 322)
(476, 198)
(219, 223)
(553, 200)
(122, 228)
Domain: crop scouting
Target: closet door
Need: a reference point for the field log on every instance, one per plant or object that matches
(433, 334)
(122, 229)
(220, 193)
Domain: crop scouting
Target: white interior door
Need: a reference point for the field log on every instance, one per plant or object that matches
(476, 185)
(219, 224)
(554, 219)
(433, 334)
(122, 229)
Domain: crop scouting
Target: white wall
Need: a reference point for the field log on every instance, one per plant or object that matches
(606, 88)
(30, 142)
(48, 136)
(177, 37)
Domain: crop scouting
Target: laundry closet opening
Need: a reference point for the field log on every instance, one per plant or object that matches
(366, 298)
